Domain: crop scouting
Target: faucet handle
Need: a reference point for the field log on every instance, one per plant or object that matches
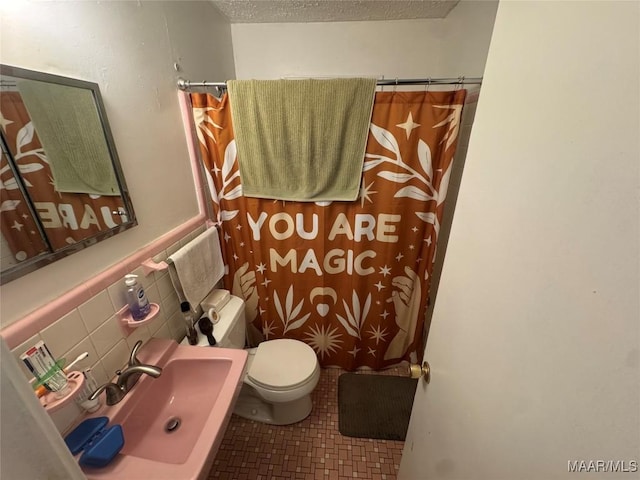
(133, 358)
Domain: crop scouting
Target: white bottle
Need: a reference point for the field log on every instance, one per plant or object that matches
(136, 298)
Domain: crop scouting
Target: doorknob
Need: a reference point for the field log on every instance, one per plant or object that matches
(417, 371)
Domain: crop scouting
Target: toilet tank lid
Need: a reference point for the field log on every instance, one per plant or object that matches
(283, 363)
(228, 316)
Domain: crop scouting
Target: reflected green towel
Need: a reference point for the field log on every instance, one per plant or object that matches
(301, 140)
(67, 123)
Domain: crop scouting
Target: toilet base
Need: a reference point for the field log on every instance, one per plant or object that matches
(250, 406)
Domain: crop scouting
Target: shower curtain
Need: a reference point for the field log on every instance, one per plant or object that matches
(350, 279)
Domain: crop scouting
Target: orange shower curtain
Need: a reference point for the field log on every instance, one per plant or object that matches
(350, 279)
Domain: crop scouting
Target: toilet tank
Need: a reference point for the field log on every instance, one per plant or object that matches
(230, 330)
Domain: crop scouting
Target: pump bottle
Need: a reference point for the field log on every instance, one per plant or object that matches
(136, 298)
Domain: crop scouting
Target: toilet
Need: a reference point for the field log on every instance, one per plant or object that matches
(279, 375)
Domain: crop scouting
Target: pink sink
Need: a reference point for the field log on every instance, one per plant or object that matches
(173, 425)
(167, 422)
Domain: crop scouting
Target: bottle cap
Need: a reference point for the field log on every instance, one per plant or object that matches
(130, 280)
(185, 307)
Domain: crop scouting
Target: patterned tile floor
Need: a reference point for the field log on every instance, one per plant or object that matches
(311, 449)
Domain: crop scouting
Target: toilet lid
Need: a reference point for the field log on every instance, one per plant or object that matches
(282, 364)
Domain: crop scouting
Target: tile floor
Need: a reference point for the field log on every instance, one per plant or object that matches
(311, 449)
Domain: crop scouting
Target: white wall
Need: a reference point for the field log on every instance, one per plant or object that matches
(456, 45)
(535, 337)
(129, 49)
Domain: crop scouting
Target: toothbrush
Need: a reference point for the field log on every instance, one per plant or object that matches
(79, 358)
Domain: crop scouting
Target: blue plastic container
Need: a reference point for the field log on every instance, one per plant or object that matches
(100, 444)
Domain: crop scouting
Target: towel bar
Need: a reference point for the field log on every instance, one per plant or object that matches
(150, 265)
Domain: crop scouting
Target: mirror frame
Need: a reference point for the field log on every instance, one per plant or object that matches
(45, 259)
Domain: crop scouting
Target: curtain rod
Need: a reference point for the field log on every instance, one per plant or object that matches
(186, 84)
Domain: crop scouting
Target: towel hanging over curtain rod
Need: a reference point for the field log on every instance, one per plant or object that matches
(187, 84)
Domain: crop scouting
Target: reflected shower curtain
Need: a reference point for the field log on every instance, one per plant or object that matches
(350, 279)
(66, 217)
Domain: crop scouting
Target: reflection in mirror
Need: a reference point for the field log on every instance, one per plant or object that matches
(62, 187)
(23, 239)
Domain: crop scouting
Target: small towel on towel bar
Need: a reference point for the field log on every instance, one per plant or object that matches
(301, 140)
(198, 266)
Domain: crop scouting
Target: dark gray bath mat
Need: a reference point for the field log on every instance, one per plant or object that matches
(375, 406)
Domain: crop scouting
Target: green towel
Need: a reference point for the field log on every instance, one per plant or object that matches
(67, 123)
(301, 140)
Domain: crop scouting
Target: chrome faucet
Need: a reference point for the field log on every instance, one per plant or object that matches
(127, 378)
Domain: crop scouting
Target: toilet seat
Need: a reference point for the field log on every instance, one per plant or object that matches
(282, 364)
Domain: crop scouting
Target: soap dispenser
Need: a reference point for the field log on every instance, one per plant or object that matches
(136, 298)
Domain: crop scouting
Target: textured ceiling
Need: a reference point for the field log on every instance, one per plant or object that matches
(302, 11)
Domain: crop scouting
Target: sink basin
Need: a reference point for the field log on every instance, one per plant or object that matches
(173, 425)
(166, 423)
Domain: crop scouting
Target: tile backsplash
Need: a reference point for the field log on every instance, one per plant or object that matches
(93, 327)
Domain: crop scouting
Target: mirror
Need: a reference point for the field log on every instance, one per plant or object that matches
(61, 184)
